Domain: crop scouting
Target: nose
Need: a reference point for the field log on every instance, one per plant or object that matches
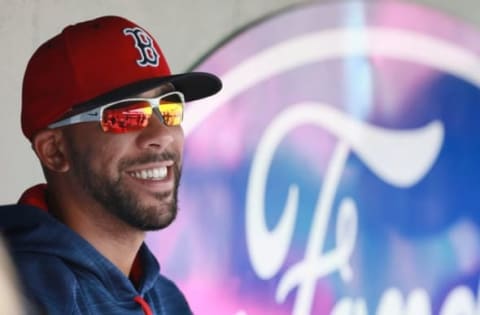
(156, 135)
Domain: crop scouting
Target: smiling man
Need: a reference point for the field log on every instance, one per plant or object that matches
(103, 114)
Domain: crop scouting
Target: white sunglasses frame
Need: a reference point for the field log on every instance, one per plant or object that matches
(96, 114)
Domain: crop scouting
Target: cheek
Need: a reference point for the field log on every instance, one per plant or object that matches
(179, 138)
(111, 154)
(105, 158)
(101, 152)
(99, 160)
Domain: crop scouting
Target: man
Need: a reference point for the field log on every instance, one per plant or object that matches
(103, 114)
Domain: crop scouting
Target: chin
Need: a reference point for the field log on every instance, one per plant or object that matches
(154, 220)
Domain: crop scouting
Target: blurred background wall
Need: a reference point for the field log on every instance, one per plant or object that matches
(185, 29)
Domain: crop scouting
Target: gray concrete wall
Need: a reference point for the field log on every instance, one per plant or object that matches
(185, 29)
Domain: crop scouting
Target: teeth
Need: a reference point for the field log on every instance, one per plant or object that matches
(151, 174)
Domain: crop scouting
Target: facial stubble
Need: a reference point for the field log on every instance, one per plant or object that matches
(122, 202)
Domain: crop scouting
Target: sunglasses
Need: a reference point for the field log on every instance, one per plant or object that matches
(132, 113)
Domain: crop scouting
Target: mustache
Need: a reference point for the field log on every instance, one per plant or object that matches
(149, 158)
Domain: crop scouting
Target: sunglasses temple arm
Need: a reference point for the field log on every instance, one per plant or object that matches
(93, 115)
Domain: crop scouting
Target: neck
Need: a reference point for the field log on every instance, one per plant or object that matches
(110, 236)
(119, 245)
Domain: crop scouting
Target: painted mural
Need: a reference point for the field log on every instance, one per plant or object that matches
(338, 172)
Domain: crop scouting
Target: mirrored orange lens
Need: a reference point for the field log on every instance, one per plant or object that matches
(172, 112)
(126, 117)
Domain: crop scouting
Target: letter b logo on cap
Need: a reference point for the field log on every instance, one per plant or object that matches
(144, 44)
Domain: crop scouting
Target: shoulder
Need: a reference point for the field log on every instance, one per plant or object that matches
(167, 295)
(47, 282)
(167, 286)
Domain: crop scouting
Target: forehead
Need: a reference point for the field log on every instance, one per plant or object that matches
(159, 90)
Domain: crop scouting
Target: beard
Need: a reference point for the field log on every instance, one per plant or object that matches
(122, 202)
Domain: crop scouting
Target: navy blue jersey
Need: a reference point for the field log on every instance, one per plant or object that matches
(63, 274)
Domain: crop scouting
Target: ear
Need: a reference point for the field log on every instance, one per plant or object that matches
(49, 146)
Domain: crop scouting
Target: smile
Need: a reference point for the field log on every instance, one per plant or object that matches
(157, 173)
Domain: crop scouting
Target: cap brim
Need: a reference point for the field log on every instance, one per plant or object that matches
(196, 85)
(193, 85)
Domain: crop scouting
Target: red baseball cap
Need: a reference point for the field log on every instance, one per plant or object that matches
(95, 62)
